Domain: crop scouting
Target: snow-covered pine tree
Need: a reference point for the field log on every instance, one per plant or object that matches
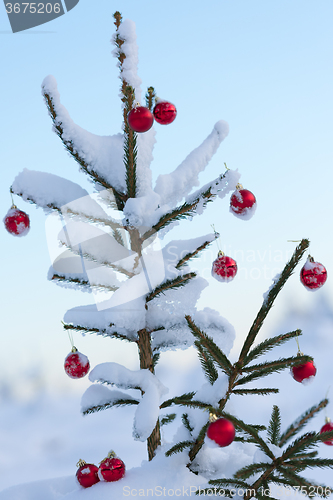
(112, 239)
(121, 253)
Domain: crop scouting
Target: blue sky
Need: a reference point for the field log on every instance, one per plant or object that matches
(264, 67)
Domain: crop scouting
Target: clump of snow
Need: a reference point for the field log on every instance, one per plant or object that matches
(174, 186)
(101, 154)
(147, 411)
(126, 32)
(46, 190)
(217, 327)
(275, 280)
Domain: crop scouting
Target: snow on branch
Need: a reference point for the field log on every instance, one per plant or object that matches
(129, 65)
(152, 389)
(175, 186)
(99, 156)
(47, 190)
(99, 397)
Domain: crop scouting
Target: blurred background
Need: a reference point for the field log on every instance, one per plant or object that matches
(265, 68)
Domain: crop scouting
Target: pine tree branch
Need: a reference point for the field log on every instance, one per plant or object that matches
(274, 427)
(248, 429)
(271, 296)
(150, 98)
(206, 363)
(177, 400)
(186, 423)
(197, 445)
(188, 208)
(208, 343)
(130, 143)
(191, 255)
(272, 367)
(106, 263)
(82, 283)
(308, 440)
(98, 331)
(178, 448)
(252, 469)
(168, 418)
(169, 284)
(300, 423)
(311, 463)
(229, 482)
(296, 480)
(269, 344)
(110, 404)
(260, 392)
(69, 146)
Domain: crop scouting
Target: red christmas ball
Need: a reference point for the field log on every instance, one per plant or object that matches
(164, 112)
(222, 431)
(243, 203)
(305, 372)
(327, 428)
(313, 274)
(76, 364)
(111, 468)
(87, 474)
(224, 268)
(140, 119)
(17, 222)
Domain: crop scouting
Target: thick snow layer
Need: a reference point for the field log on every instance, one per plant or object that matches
(102, 154)
(173, 187)
(126, 32)
(147, 411)
(125, 319)
(46, 189)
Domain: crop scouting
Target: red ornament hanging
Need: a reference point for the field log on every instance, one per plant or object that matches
(243, 203)
(305, 372)
(313, 274)
(164, 112)
(76, 364)
(17, 222)
(328, 427)
(111, 468)
(221, 430)
(224, 268)
(87, 474)
(140, 119)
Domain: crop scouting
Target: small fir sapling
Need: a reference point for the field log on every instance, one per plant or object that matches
(120, 254)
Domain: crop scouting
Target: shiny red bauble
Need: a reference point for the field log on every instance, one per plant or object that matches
(76, 364)
(304, 372)
(243, 203)
(140, 119)
(87, 474)
(111, 469)
(164, 112)
(313, 274)
(224, 268)
(17, 222)
(328, 427)
(222, 431)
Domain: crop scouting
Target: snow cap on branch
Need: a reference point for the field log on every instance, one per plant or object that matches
(175, 186)
(147, 411)
(102, 154)
(126, 32)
